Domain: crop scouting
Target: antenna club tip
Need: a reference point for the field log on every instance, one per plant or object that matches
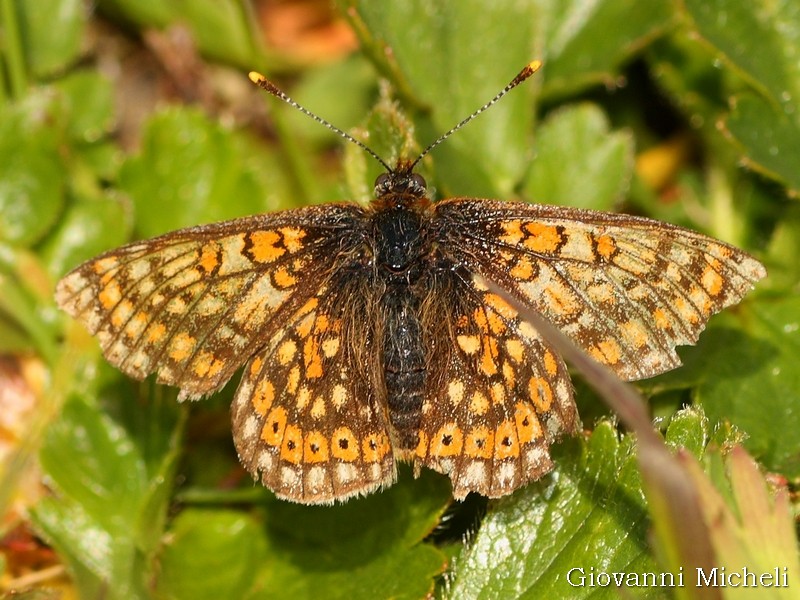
(256, 77)
(534, 66)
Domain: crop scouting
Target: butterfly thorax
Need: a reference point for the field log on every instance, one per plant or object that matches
(401, 257)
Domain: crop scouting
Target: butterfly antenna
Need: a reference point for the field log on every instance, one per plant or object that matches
(270, 87)
(529, 70)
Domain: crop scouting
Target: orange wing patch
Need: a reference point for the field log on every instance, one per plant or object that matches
(502, 398)
(324, 438)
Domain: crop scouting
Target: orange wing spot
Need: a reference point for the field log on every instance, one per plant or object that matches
(470, 344)
(500, 306)
(255, 365)
(515, 350)
(723, 250)
(479, 404)
(321, 323)
(110, 295)
(303, 397)
(606, 246)
(108, 276)
(339, 396)
(207, 365)
(313, 361)
(264, 248)
(293, 379)
(509, 374)
(122, 312)
(422, 445)
(480, 319)
(286, 352)
(455, 391)
(263, 397)
(448, 441)
(496, 324)
(283, 279)
(488, 365)
(209, 257)
(176, 305)
(699, 297)
(635, 333)
(307, 307)
(330, 347)
(292, 237)
(540, 392)
(136, 325)
(318, 409)
(374, 447)
(102, 265)
(498, 393)
(513, 232)
(181, 347)
(272, 433)
(661, 319)
(336, 326)
(506, 444)
(344, 445)
(550, 364)
(542, 238)
(462, 322)
(315, 448)
(304, 327)
(685, 310)
(479, 443)
(602, 293)
(607, 352)
(560, 299)
(156, 333)
(523, 269)
(528, 426)
(292, 446)
(711, 280)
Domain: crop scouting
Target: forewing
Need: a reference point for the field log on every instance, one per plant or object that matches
(497, 394)
(625, 289)
(308, 417)
(193, 305)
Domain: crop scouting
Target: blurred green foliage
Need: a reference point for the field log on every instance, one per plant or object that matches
(139, 509)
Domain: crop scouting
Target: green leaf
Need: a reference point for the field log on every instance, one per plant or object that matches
(450, 70)
(52, 31)
(743, 370)
(107, 514)
(193, 171)
(688, 429)
(758, 385)
(220, 28)
(589, 512)
(586, 42)
(784, 252)
(750, 527)
(758, 41)
(211, 554)
(88, 100)
(26, 317)
(89, 226)
(579, 162)
(768, 138)
(367, 548)
(32, 172)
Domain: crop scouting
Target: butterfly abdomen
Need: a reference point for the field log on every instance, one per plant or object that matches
(400, 254)
(403, 364)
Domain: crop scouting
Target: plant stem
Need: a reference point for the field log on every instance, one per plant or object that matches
(12, 50)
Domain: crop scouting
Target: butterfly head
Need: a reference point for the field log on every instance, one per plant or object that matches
(401, 181)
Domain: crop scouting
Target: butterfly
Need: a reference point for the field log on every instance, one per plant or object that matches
(369, 335)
